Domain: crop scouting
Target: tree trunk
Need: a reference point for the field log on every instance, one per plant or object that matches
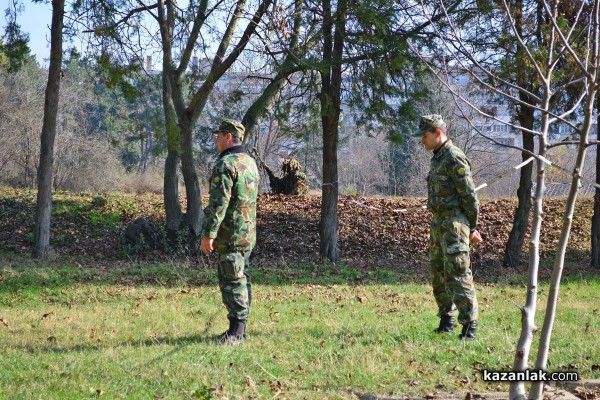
(517, 389)
(331, 80)
(544, 345)
(194, 212)
(173, 213)
(595, 256)
(525, 116)
(559, 260)
(329, 224)
(514, 245)
(262, 106)
(521, 360)
(44, 194)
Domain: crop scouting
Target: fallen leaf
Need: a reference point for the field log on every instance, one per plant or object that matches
(218, 388)
(276, 387)
(322, 344)
(4, 321)
(250, 382)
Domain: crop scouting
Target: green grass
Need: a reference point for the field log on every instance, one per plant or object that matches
(147, 331)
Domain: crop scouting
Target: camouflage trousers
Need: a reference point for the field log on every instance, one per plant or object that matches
(235, 285)
(452, 279)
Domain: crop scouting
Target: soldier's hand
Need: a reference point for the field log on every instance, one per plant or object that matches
(207, 245)
(475, 237)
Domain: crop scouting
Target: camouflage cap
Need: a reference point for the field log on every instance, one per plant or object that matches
(229, 125)
(429, 122)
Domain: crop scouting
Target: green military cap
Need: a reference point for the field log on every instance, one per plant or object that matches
(429, 122)
(229, 125)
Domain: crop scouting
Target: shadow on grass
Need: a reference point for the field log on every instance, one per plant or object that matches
(178, 342)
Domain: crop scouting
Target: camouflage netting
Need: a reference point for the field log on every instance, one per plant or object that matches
(293, 182)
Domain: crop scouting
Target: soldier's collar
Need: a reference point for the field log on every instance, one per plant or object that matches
(447, 143)
(232, 150)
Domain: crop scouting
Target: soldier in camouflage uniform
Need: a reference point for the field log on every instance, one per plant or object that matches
(230, 224)
(454, 206)
(294, 182)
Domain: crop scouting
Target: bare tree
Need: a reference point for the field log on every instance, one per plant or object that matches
(564, 48)
(587, 60)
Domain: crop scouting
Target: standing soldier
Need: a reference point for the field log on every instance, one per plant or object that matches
(230, 225)
(454, 206)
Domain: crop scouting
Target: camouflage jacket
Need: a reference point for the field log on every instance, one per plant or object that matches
(230, 217)
(450, 186)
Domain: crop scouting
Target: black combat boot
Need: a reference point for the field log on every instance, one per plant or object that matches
(446, 324)
(235, 334)
(469, 331)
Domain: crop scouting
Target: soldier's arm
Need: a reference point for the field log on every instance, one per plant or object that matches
(221, 185)
(463, 181)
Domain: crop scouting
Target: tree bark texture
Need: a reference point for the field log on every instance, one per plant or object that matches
(514, 245)
(330, 99)
(44, 194)
(194, 212)
(171, 193)
(173, 214)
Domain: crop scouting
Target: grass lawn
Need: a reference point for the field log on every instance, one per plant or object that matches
(70, 332)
